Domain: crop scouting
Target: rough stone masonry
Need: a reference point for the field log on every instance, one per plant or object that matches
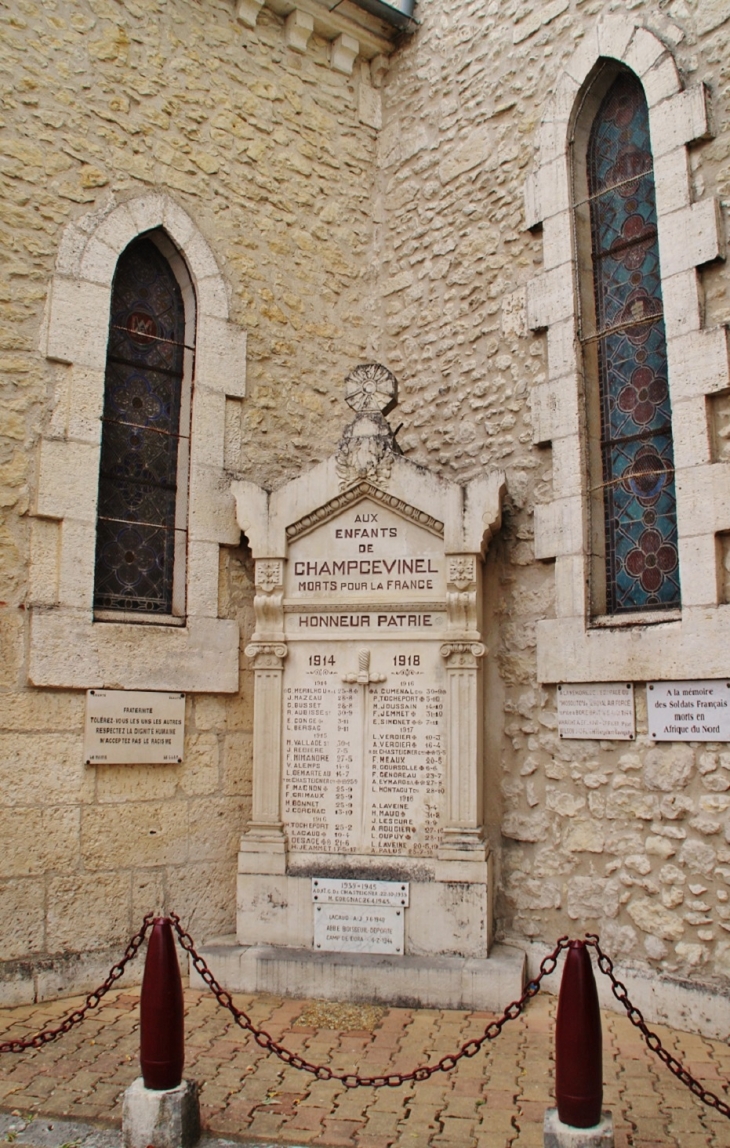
(337, 242)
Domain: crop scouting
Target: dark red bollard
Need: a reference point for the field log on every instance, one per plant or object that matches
(162, 1034)
(578, 1043)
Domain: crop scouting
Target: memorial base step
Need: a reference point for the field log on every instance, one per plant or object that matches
(489, 983)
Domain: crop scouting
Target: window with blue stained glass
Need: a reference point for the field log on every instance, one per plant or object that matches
(135, 541)
(642, 569)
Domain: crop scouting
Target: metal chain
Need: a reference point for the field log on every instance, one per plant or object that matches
(93, 999)
(634, 1014)
(353, 1079)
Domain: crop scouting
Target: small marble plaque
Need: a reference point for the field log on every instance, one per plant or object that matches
(597, 710)
(689, 711)
(131, 727)
(341, 891)
(358, 929)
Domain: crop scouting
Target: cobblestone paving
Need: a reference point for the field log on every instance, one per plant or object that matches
(495, 1100)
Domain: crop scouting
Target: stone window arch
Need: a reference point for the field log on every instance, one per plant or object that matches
(632, 513)
(72, 644)
(584, 641)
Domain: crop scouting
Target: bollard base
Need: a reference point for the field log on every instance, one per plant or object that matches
(168, 1118)
(559, 1135)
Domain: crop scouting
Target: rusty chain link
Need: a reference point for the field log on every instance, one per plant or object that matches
(653, 1041)
(46, 1035)
(353, 1079)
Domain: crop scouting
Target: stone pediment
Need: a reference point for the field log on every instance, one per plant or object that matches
(360, 493)
(369, 464)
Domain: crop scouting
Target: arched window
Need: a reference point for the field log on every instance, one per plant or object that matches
(633, 525)
(142, 503)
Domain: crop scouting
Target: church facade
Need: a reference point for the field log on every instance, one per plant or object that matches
(211, 213)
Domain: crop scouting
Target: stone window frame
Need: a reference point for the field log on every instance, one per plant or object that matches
(573, 646)
(68, 648)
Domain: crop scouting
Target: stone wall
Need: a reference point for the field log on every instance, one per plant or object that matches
(631, 840)
(337, 243)
(263, 148)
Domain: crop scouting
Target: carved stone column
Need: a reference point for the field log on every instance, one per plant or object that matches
(462, 653)
(263, 846)
(463, 816)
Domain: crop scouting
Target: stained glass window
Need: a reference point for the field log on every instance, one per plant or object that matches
(135, 541)
(639, 502)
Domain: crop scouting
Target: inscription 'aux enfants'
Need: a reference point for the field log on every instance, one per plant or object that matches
(384, 573)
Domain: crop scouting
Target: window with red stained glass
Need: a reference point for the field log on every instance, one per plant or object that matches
(626, 346)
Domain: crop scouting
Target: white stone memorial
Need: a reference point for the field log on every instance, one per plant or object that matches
(368, 718)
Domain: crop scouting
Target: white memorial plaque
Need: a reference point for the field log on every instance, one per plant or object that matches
(597, 710)
(365, 686)
(359, 929)
(689, 711)
(131, 727)
(341, 891)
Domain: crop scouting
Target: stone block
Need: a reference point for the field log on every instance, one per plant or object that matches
(247, 12)
(207, 441)
(614, 35)
(559, 1135)
(212, 509)
(22, 909)
(237, 764)
(68, 480)
(68, 650)
(88, 911)
(570, 586)
(662, 81)
(139, 834)
(116, 230)
(554, 185)
(565, 361)
(202, 579)
(199, 774)
(122, 784)
(550, 296)
(36, 841)
(681, 308)
(43, 769)
(76, 564)
(643, 52)
(203, 893)
(298, 29)
(424, 982)
(168, 1118)
(220, 361)
(691, 237)
(557, 239)
(683, 119)
(78, 322)
(699, 364)
(559, 528)
(215, 827)
(148, 211)
(343, 53)
(86, 401)
(99, 261)
(45, 537)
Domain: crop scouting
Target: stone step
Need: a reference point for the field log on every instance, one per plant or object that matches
(489, 983)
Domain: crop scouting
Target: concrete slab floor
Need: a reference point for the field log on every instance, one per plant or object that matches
(68, 1094)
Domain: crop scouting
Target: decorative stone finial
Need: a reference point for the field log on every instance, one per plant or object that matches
(367, 447)
(371, 387)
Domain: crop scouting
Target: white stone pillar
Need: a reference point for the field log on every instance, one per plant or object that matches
(462, 832)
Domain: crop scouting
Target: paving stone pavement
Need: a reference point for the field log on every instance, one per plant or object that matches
(69, 1093)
